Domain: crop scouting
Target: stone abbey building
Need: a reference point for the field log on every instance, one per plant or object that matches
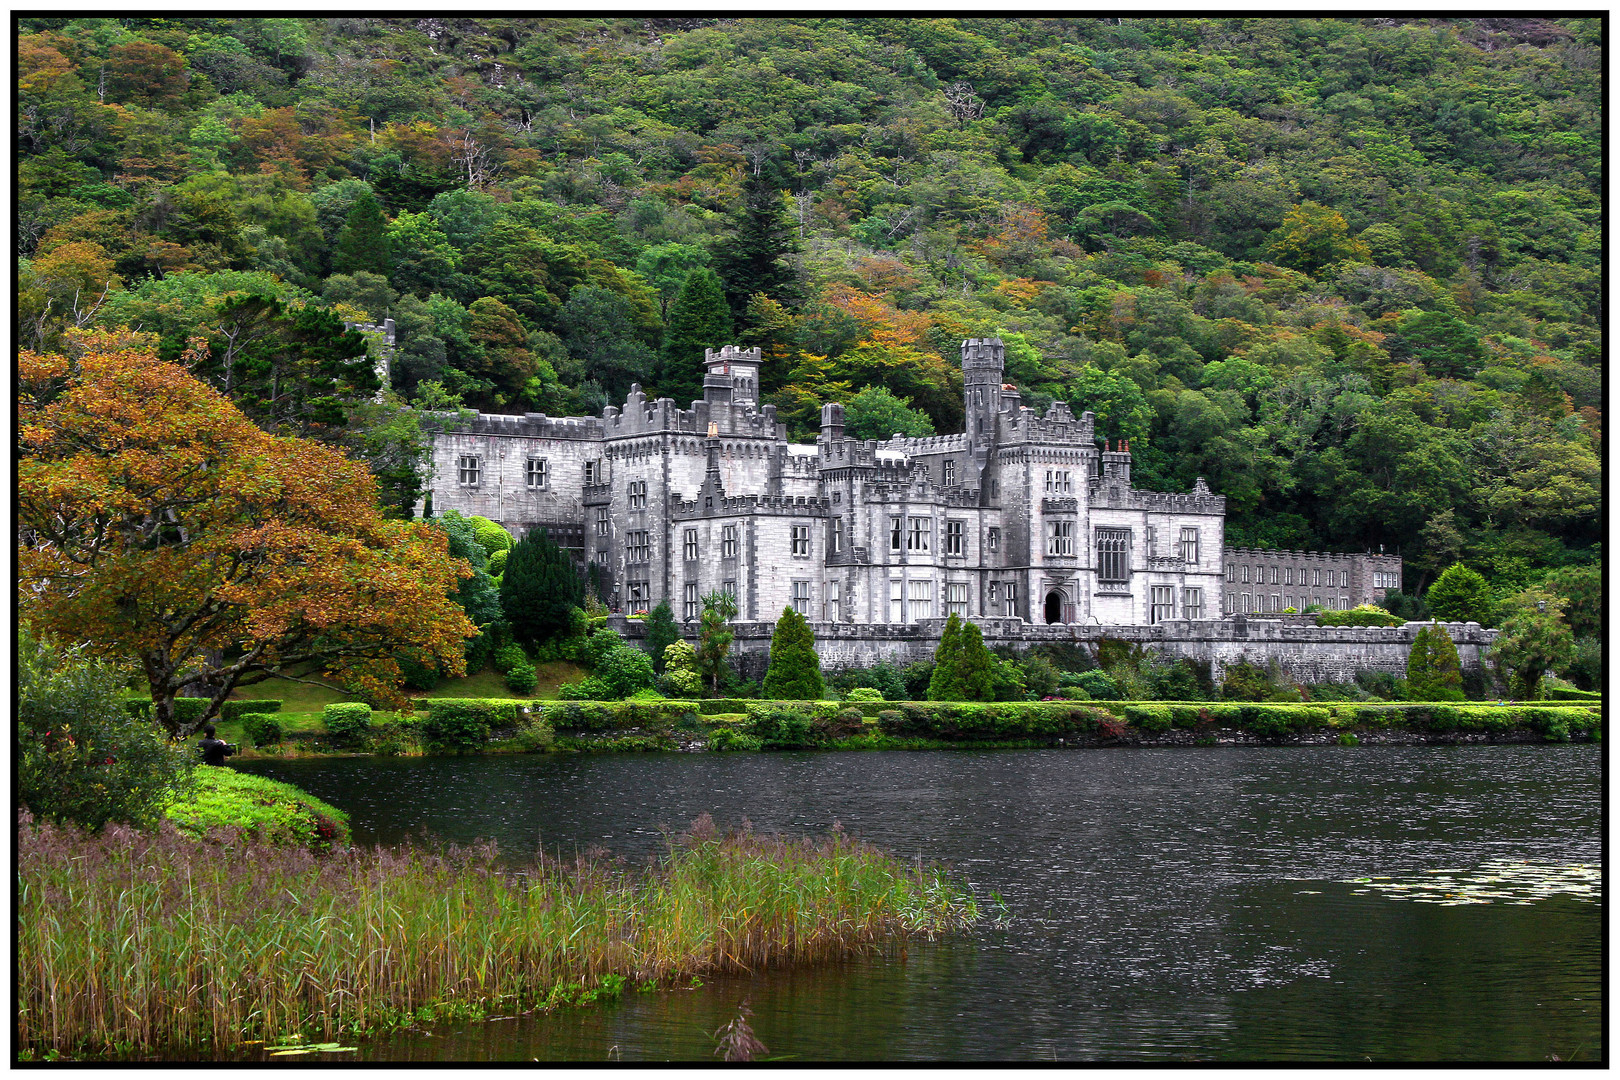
(1021, 517)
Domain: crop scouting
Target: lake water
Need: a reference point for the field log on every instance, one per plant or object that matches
(1166, 905)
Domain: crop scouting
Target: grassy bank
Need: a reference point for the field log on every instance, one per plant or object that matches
(133, 943)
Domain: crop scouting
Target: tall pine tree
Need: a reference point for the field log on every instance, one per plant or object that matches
(975, 667)
(756, 260)
(942, 685)
(699, 319)
(1433, 669)
(363, 243)
(539, 589)
(795, 671)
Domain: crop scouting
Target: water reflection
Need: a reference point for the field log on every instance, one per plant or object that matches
(1169, 904)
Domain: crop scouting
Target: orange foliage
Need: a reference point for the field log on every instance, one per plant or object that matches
(1021, 290)
(881, 322)
(158, 523)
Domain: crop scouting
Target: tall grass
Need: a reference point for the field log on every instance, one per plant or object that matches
(132, 943)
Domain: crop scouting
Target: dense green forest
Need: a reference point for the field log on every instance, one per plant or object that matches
(1348, 270)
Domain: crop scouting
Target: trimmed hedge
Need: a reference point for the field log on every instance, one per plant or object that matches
(262, 729)
(1562, 693)
(802, 723)
(464, 724)
(347, 721)
(235, 710)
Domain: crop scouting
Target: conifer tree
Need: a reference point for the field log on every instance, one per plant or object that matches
(1433, 669)
(539, 589)
(661, 633)
(795, 671)
(942, 685)
(1460, 595)
(699, 319)
(363, 243)
(755, 260)
(975, 667)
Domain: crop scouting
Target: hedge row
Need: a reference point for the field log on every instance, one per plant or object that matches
(975, 721)
(187, 709)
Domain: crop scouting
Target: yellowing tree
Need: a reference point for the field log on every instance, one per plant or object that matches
(157, 523)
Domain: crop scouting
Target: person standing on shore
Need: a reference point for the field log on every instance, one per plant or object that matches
(214, 751)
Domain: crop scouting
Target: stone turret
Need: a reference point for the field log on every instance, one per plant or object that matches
(983, 362)
(731, 376)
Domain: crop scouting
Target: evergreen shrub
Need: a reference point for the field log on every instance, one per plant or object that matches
(348, 722)
(236, 710)
(509, 656)
(521, 678)
(462, 724)
(262, 729)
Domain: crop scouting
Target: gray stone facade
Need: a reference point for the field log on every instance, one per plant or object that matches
(1023, 522)
(1261, 581)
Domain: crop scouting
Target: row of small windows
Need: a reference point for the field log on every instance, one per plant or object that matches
(1285, 576)
(536, 473)
(1386, 580)
(1273, 603)
(1162, 603)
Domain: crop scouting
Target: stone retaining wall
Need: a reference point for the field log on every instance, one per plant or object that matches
(1308, 654)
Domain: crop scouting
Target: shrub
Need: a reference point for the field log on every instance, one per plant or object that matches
(1149, 717)
(624, 670)
(1564, 693)
(1362, 615)
(783, 729)
(460, 724)
(1244, 681)
(277, 813)
(1040, 677)
(1460, 595)
(262, 729)
(490, 535)
(81, 757)
(728, 739)
(864, 693)
(599, 645)
(661, 633)
(1098, 685)
(497, 563)
(392, 736)
(189, 710)
(1433, 671)
(521, 678)
(348, 722)
(509, 656)
(235, 710)
(589, 688)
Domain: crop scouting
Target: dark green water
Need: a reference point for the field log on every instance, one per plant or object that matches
(1167, 905)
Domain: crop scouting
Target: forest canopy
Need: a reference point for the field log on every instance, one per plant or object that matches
(1348, 270)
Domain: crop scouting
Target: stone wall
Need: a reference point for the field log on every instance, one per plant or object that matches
(1307, 654)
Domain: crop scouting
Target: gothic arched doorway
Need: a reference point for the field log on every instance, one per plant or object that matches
(1054, 606)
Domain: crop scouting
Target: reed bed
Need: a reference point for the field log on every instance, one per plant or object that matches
(131, 944)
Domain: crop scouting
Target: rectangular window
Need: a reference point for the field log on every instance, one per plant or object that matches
(1317, 577)
(536, 473)
(602, 557)
(1189, 545)
(1344, 579)
(593, 473)
(1231, 571)
(801, 597)
(638, 546)
(1161, 603)
(1057, 482)
(640, 596)
(1192, 603)
(1012, 597)
(956, 599)
(728, 541)
(837, 542)
(830, 604)
(1276, 603)
(995, 489)
(729, 588)
(467, 470)
(949, 471)
(897, 601)
(801, 541)
(1231, 603)
(1245, 574)
(922, 529)
(1060, 538)
(1344, 603)
(638, 494)
(992, 539)
(1288, 602)
(689, 606)
(601, 521)
(897, 529)
(922, 600)
(1317, 600)
(953, 537)
(1247, 600)
(1113, 555)
(1273, 575)
(1151, 538)
(690, 547)
(1288, 575)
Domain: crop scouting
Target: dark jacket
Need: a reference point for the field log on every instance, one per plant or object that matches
(214, 750)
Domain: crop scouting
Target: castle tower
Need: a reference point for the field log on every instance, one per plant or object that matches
(983, 361)
(732, 374)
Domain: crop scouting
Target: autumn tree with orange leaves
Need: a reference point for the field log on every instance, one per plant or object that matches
(157, 523)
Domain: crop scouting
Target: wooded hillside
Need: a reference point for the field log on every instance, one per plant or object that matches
(1348, 270)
